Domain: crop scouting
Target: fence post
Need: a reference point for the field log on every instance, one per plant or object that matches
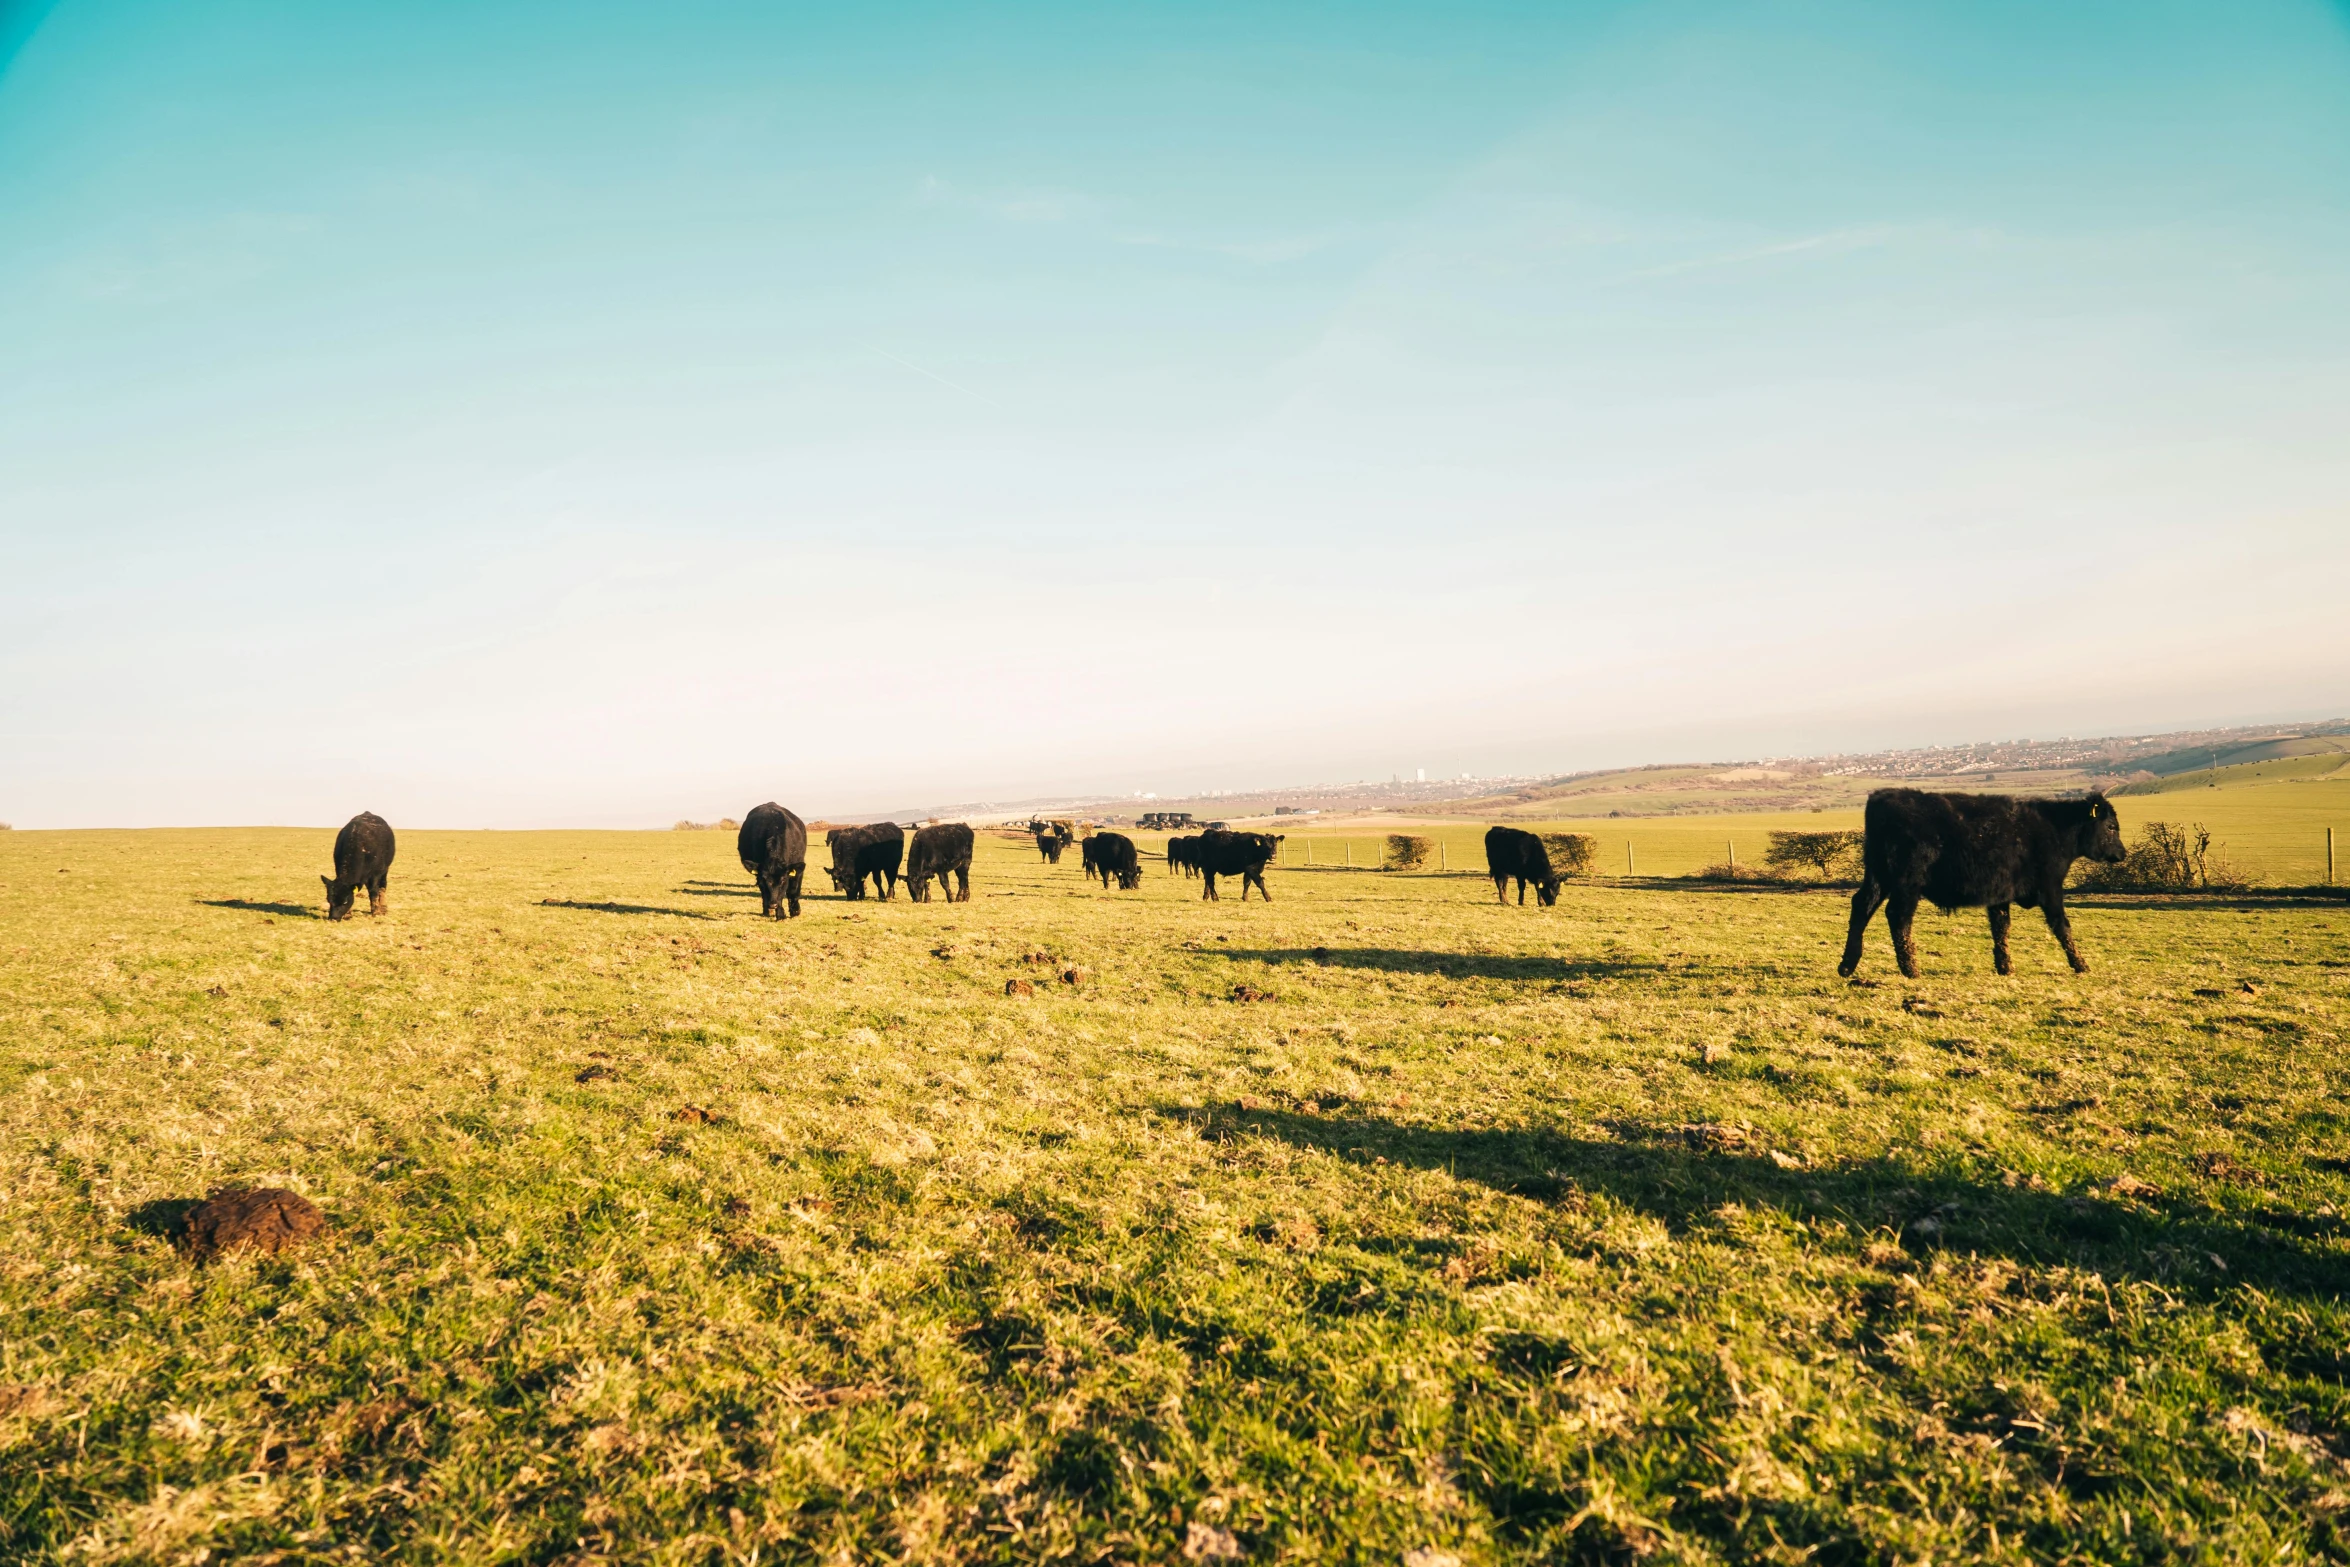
(2329, 856)
(1631, 867)
(1733, 844)
(1440, 865)
(1348, 844)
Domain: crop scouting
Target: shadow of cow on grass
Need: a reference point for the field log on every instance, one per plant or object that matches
(1683, 1175)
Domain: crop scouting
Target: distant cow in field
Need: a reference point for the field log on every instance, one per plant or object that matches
(363, 858)
(873, 851)
(1513, 853)
(939, 851)
(1183, 854)
(1979, 851)
(1052, 838)
(1111, 856)
(1218, 852)
(773, 846)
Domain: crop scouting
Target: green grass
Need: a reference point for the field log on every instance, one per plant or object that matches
(2268, 822)
(2321, 764)
(1619, 1229)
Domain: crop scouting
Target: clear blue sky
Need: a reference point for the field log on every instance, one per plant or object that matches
(547, 414)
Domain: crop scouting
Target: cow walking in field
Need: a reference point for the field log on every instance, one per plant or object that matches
(1978, 851)
(939, 851)
(363, 858)
(773, 846)
(1221, 852)
(1183, 855)
(1051, 838)
(1513, 853)
(873, 851)
(1111, 856)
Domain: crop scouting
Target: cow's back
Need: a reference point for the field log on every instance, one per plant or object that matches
(942, 847)
(364, 848)
(771, 839)
(1954, 850)
(1512, 851)
(884, 848)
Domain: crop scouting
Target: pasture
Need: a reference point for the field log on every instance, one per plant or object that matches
(1379, 1224)
(2267, 821)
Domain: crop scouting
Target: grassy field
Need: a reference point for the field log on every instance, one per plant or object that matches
(1617, 1230)
(2267, 820)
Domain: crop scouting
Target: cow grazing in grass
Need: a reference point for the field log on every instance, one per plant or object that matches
(873, 851)
(940, 851)
(1183, 854)
(1052, 838)
(1111, 856)
(773, 846)
(1511, 853)
(1974, 851)
(363, 858)
(1219, 852)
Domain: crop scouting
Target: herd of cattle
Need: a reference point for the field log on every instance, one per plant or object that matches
(1984, 851)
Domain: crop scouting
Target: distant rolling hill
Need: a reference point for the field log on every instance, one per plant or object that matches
(2127, 764)
(2295, 766)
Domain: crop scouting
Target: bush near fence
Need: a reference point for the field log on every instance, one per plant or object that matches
(1408, 853)
(1791, 853)
(1571, 853)
(2165, 858)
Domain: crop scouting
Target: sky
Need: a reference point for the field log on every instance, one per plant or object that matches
(499, 414)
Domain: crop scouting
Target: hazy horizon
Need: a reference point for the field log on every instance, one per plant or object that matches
(509, 415)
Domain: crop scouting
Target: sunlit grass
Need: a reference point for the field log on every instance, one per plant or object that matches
(1611, 1229)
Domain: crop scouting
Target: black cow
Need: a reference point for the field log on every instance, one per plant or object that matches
(1111, 855)
(773, 846)
(938, 851)
(1218, 852)
(1051, 839)
(1512, 852)
(858, 852)
(1979, 851)
(1183, 854)
(363, 858)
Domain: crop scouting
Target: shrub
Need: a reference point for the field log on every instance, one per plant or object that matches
(1571, 853)
(1821, 851)
(2164, 859)
(1407, 853)
(1725, 871)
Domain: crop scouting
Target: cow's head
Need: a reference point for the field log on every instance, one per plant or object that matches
(339, 899)
(1547, 891)
(2102, 839)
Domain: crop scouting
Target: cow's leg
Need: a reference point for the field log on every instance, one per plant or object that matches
(1901, 910)
(963, 884)
(1208, 877)
(1521, 892)
(1263, 891)
(2052, 907)
(791, 888)
(375, 896)
(1501, 888)
(1864, 909)
(2000, 962)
